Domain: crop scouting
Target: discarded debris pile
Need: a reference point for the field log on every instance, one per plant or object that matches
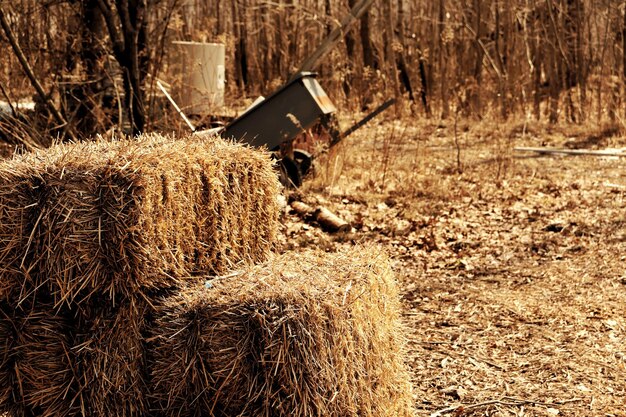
(89, 234)
(303, 335)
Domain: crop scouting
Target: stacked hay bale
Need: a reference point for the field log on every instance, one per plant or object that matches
(130, 216)
(305, 334)
(89, 233)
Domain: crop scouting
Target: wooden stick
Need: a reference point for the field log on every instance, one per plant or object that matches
(173, 103)
(324, 217)
(550, 151)
(303, 210)
(30, 74)
(331, 222)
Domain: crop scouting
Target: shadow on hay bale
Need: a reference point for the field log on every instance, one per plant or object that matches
(8, 336)
(303, 335)
(129, 216)
(109, 353)
(87, 361)
(35, 371)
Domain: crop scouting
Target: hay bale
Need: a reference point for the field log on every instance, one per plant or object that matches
(83, 362)
(43, 371)
(129, 216)
(109, 354)
(306, 334)
(18, 180)
(7, 358)
(35, 376)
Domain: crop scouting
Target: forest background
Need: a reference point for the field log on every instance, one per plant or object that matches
(97, 61)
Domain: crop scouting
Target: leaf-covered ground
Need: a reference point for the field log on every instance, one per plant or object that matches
(511, 264)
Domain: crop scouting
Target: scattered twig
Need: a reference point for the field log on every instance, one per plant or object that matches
(6, 96)
(550, 151)
(508, 401)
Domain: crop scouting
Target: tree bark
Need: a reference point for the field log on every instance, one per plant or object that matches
(479, 58)
(403, 68)
(129, 47)
(443, 81)
(389, 38)
(369, 56)
(241, 54)
(624, 45)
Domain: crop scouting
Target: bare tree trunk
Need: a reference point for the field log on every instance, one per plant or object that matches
(353, 65)
(369, 57)
(624, 45)
(129, 48)
(425, 91)
(265, 46)
(624, 57)
(475, 97)
(574, 77)
(241, 55)
(499, 60)
(85, 100)
(403, 68)
(390, 53)
(443, 79)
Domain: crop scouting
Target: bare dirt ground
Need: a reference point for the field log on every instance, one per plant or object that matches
(511, 265)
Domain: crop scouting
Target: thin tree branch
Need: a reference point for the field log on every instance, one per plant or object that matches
(31, 75)
(109, 19)
(480, 43)
(6, 95)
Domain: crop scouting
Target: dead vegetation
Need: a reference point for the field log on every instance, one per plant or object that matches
(511, 269)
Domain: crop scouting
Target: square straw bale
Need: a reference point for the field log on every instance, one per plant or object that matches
(18, 219)
(8, 336)
(305, 334)
(134, 215)
(36, 376)
(83, 362)
(109, 355)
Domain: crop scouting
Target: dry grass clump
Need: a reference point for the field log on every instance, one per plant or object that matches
(307, 334)
(128, 216)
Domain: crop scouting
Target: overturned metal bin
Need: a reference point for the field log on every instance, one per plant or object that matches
(282, 116)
